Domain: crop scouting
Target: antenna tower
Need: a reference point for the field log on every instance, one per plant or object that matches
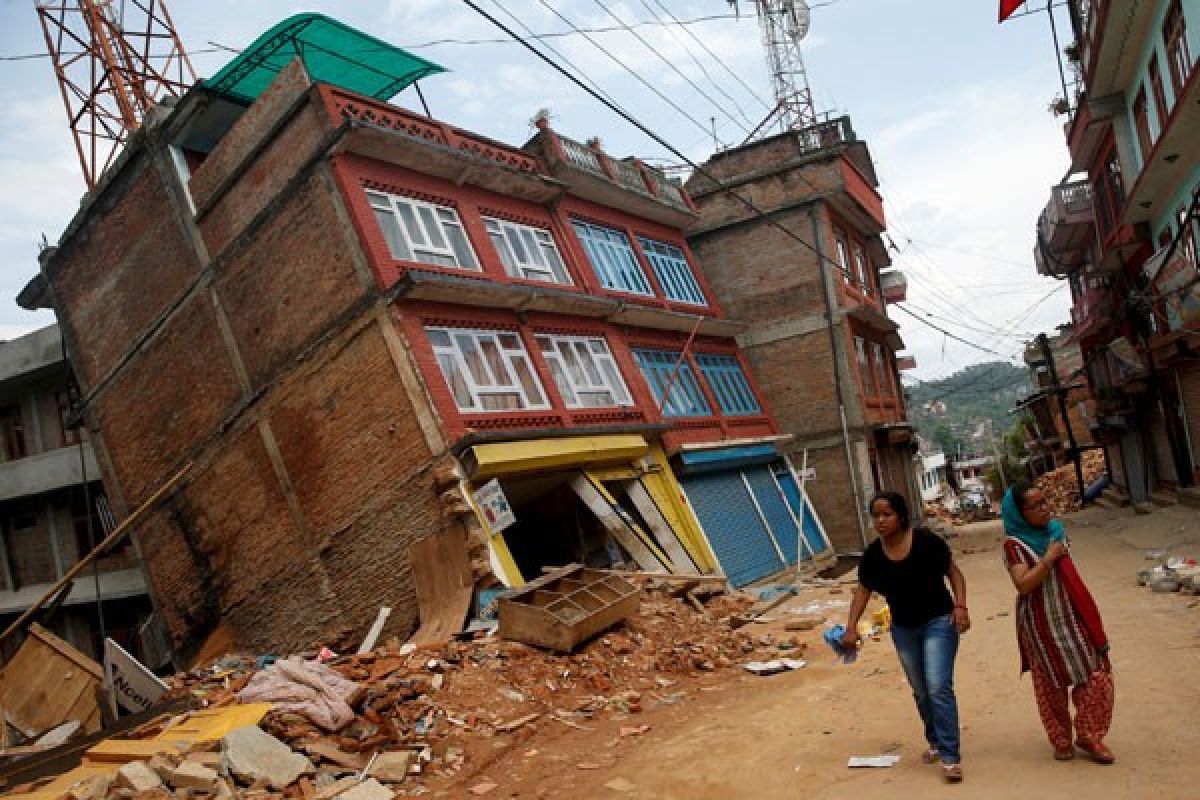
(114, 60)
(784, 23)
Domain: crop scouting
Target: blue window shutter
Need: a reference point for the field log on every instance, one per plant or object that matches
(673, 272)
(686, 398)
(612, 258)
(728, 382)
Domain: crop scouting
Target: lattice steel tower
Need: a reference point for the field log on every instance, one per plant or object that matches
(114, 60)
(784, 23)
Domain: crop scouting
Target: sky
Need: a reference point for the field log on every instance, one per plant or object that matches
(953, 107)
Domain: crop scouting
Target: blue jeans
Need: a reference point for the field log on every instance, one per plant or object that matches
(927, 655)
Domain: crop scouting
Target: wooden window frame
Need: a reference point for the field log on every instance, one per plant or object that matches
(533, 241)
(571, 373)
(445, 220)
(458, 371)
(1175, 44)
(1141, 125)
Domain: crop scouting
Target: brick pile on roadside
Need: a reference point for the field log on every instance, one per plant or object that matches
(435, 715)
(1061, 487)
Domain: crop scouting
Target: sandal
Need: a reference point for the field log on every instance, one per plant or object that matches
(1064, 753)
(1097, 751)
(930, 756)
(952, 773)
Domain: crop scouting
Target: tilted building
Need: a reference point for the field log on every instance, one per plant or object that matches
(390, 347)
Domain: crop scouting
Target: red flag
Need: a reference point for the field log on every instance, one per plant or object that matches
(1007, 7)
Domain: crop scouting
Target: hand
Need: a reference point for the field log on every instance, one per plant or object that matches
(851, 639)
(962, 620)
(1055, 551)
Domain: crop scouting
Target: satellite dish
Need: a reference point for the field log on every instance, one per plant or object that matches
(799, 18)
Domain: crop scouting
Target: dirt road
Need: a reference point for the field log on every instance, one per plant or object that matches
(789, 735)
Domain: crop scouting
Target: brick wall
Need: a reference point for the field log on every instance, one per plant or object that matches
(120, 268)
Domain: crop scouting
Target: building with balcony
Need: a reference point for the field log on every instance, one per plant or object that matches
(809, 278)
(402, 359)
(1060, 412)
(53, 507)
(1131, 258)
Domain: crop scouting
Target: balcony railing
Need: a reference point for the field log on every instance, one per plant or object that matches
(1065, 226)
(581, 156)
(350, 106)
(826, 134)
(894, 284)
(628, 173)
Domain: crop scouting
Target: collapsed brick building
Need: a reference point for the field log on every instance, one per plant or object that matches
(809, 277)
(385, 344)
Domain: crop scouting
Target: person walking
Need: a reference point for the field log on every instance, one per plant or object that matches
(1059, 631)
(910, 568)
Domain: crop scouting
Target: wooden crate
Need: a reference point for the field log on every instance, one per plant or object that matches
(49, 682)
(563, 608)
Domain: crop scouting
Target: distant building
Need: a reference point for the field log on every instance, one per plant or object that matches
(932, 475)
(1049, 434)
(53, 507)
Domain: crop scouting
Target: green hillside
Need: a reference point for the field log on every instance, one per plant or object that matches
(971, 395)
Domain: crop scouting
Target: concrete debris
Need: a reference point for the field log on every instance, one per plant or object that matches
(252, 755)
(369, 789)
(394, 766)
(424, 714)
(137, 777)
(194, 775)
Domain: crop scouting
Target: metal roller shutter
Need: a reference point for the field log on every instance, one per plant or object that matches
(727, 514)
(1160, 441)
(774, 507)
(813, 538)
(1189, 388)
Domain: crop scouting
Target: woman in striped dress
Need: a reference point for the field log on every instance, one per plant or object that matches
(1059, 631)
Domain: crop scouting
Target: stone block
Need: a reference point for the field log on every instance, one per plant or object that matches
(138, 776)
(370, 789)
(393, 767)
(253, 756)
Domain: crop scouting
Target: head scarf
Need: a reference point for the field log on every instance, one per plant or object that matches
(1015, 525)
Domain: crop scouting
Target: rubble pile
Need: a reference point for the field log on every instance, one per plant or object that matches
(356, 727)
(937, 512)
(1061, 487)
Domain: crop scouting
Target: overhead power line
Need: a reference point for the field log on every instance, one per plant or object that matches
(632, 120)
(942, 330)
(714, 56)
(683, 112)
(672, 66)
(657, 22)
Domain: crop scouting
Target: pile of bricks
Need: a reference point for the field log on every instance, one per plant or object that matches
(423, 714)
(1061, 486)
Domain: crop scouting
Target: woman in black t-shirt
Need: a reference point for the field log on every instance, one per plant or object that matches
(910, 568)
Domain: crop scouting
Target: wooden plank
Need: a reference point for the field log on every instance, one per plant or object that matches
(614, 523)
(664, 534)
(442, 575)
(47, 683)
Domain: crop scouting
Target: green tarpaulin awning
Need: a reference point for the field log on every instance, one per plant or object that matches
(333, 53)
